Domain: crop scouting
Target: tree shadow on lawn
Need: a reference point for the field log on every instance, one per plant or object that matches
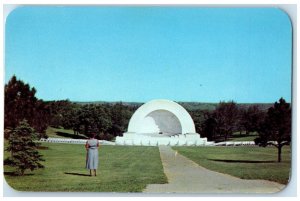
(42, 147)
(241, 161)
(68, 135)
(77, 174)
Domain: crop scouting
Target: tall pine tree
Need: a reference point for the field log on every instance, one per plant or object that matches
(20, 103)
(24, 154)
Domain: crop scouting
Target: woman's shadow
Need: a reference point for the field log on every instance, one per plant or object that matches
(77, 174)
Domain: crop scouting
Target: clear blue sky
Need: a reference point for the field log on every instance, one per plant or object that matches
(145, 53)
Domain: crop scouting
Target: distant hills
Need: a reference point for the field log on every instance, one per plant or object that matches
(191, 106)
(212, 106)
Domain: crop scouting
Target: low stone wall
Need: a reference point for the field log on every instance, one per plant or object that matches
(136, 139)
(242, 143)
(73, 141)
(150, 142)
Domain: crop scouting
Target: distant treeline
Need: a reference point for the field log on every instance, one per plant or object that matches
(216, 121)
(190, 106)
(111, 119)
(107, 120)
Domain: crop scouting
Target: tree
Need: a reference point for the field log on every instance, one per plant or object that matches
(65, 114)
(251, 118)
(23, 149)
(71, 119)
(20, 103)
(93, 119)
(59, 110)
(209, 128)
(120, 116)
(41, 118)
(198, 117)
(276, 128)
(226, 118)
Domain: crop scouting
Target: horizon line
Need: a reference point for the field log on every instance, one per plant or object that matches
(180, 101)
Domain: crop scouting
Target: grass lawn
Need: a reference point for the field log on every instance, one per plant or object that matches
(121, 169)
(242, 162)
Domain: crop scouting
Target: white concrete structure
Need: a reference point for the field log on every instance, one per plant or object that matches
(161, 122)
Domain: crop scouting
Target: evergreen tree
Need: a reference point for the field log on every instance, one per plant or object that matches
(20, 103)
(23, 149)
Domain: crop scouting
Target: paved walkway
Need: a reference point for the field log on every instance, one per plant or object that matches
(185, 176)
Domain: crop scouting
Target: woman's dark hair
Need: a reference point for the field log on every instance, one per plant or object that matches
(92, 135)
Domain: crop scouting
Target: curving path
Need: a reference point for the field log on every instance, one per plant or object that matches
(185, 176)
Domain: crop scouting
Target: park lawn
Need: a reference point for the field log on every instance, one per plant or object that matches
(243, 162)
(121, 169)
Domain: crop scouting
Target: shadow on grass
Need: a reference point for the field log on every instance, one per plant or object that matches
(240, 161)
(42, 147)
(68, 135)
(16, 175)
(77, 174)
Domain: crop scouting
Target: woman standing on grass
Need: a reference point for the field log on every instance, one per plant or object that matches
(92, 146)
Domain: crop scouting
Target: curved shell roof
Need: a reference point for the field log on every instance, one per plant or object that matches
(165, 110)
